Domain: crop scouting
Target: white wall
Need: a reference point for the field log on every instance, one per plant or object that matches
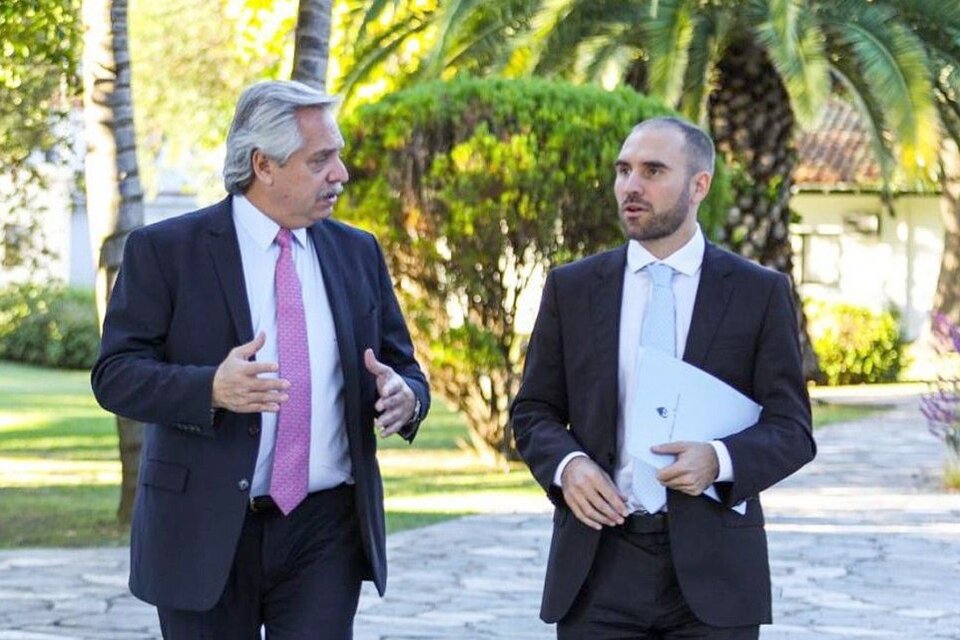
(896, 264)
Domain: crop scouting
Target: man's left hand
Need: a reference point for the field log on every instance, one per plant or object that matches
(397, 401)
(695, 468)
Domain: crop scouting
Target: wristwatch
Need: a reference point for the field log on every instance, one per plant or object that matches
(416, 413)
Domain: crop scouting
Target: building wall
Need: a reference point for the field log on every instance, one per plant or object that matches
(849, 248)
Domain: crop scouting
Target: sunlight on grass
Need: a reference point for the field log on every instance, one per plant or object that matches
(39, 472)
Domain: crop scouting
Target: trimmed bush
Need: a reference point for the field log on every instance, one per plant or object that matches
(476, 188)
(48, 325)
(854, 344)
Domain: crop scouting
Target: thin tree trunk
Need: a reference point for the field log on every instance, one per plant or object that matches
(114, 197)
(752, 122)
(947, 297)
(312, 43)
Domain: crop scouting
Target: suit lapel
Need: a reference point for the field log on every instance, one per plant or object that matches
(606, 299)
(225, 252)
(713, 294)
(333, 281)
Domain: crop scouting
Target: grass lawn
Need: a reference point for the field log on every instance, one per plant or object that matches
(59, 470)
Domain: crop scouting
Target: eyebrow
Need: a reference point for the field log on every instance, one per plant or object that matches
(320, 153)
(649, 164)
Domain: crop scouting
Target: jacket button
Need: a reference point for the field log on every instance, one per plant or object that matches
(254, 430)
(243, 485)
(611, 458)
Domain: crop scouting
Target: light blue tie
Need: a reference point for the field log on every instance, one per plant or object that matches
(659, 331)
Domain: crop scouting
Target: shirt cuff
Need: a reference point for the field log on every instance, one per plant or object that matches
(725, 474)
(558, 474)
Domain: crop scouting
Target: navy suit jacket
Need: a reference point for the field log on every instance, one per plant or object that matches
(744, 332)
(178, 307)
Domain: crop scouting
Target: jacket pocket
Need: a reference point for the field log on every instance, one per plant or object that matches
(752, 518)
(165, 475)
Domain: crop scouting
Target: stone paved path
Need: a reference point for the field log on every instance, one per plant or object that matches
(862, 542)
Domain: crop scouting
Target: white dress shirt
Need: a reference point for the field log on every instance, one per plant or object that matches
(637, 289)
(329, 453)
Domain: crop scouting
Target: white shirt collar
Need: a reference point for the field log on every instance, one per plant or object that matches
(687, 259)
(259, 226)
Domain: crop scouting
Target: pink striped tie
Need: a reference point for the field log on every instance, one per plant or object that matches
(291, 453)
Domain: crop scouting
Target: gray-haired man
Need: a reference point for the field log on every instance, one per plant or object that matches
(262, 343)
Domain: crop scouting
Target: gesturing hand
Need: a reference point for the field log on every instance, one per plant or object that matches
(591, 494)
(237, 387)
(695, 468)
(397, 401)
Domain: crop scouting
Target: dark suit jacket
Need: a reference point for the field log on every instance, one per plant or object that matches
(743, 331)
(178, 307)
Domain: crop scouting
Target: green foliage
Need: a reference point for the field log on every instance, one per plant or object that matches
(855, 345)
(39, 55)
(190, 62)
(477, 188)
(50, 326)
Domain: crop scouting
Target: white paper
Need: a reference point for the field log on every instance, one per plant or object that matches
(676, 401)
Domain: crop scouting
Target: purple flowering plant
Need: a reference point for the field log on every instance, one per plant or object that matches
(941, 406)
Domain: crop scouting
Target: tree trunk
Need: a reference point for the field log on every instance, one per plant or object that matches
(752, 122)
(312, 43)
(114, 197)
(946, 300)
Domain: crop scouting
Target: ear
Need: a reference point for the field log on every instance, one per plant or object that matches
(263, 167)
(701, 186)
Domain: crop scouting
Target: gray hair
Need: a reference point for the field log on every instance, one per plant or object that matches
(698, 146)
(265, 119)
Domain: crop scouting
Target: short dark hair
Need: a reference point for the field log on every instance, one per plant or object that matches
(698, 146)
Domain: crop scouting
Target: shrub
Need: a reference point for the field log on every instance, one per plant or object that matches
(48, 325)
(854, 344)
(476, 188)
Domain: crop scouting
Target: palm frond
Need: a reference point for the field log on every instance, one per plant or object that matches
(376, 52)
(703, 50)
(894, 64)
(790, 34)
(371, 13)
(872, 115)
(667, 36)
(602, 59)
(448, 20)
(577, 22)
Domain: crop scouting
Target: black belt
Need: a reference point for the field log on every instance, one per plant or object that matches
(641, 522)
(264, 505)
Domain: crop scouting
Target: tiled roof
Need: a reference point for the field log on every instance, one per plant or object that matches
(836, 152)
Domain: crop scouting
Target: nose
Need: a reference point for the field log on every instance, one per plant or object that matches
(339, 172)
(633, 183)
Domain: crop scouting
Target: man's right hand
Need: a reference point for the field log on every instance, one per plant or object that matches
(237, 387)
(591, 494)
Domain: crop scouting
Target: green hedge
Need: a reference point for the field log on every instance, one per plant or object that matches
(854, 344)
(48, 325)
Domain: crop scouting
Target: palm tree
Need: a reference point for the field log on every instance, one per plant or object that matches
(114, 199)
(942, 40)
(748, 69)
(312, 43)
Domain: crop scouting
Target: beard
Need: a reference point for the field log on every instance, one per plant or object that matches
(658, 224)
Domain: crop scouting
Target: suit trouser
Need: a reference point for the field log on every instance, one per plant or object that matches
(632, 593)
(298, 576)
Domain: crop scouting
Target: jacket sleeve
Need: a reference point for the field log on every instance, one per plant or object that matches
(539, 414)
(131, 377)
(782, 440)
(396, 348)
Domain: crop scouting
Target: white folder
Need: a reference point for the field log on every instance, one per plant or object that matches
(675, 401)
